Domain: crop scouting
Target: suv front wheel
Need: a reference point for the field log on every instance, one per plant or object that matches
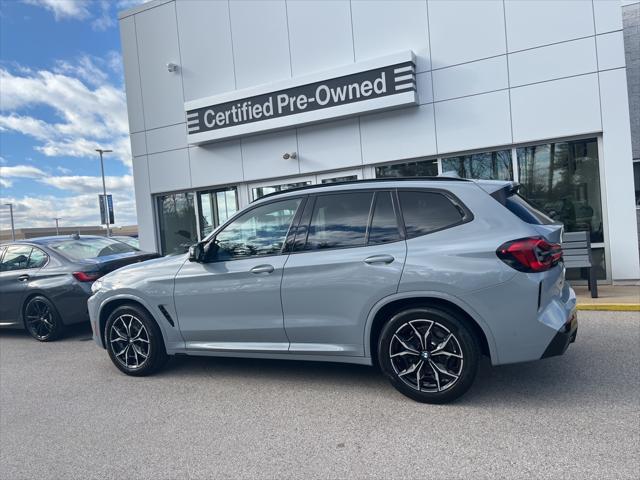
(428, 354)
(134, 341)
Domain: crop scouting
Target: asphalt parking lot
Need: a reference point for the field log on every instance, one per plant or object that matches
(66, 412)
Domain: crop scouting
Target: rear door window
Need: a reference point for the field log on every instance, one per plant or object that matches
(15, 258)
(384, 222)
(339, 221)
(37, 259)
(426, 212)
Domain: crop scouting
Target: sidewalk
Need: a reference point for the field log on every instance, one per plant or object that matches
(610, 297)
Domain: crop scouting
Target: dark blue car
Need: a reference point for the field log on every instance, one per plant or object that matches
(45, 282)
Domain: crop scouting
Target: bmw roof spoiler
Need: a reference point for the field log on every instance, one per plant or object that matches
(499, 190)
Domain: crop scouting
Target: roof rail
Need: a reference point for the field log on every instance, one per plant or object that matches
(371, 180)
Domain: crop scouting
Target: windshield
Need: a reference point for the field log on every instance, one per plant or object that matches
(87, 248)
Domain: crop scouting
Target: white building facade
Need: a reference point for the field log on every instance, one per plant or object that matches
(230, 100)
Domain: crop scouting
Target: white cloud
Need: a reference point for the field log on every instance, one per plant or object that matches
(20, 171)
(76, 9)
(87, 184)
(92, 113)
(5, 183)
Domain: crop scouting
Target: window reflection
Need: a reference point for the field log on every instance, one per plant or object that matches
(262, 191)
(486, 166)
(422, 168)
(177, 220)
(563, 180)
(216, 207)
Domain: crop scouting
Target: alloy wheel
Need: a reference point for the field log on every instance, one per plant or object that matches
(426, 355)
(129, 340)
(39, 319)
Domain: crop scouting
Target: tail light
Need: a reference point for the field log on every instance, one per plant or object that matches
(533, 254)
(86, 276)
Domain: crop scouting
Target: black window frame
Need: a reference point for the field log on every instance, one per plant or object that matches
(292, 226)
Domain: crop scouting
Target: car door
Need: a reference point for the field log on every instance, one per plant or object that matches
(14, 277)
(348, 254)
(232, 302)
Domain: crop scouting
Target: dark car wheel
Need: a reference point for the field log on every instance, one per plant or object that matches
(428, 354)
(41, 319)
(134, 341)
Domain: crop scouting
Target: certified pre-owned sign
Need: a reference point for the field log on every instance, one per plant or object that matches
(358, 88)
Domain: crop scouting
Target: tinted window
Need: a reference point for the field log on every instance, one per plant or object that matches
(526, 212)
(339, 221)
(260, 231)
(15, 258)
(85, 248)
(425, 212)
(37, 258)
(384, 225)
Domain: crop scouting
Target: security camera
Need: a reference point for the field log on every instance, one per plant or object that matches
(288, 156)
(172, 67)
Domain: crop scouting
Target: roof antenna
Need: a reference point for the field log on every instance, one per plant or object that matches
(76, 236)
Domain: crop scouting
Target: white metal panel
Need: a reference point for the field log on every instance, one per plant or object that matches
(158, 45)
(138, 144)
(216, 164)
(382, 27)
(555, 109)
(169, 171)
(205, 45)
(424, 87)
(618, 176)
(465, 30)
(135, 108)
(610, 50)
(471, 78)
(608, 15)
(144, 205)
(403, 133)
(167, 138)
(554, 61)
(262, 155)
(313, 48)
(329, 146)
(260, 41)
(532, 23)
(473, 122)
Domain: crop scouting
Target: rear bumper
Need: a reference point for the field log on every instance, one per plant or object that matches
(566, 335)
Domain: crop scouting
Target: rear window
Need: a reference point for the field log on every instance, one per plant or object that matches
(426, 212)
(526, 212)
(87, 248)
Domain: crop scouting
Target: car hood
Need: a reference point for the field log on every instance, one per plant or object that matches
(159, 267)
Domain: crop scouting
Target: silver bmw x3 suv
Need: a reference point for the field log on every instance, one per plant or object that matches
(417, 276)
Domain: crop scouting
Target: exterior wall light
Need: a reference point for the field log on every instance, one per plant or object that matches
(292, 156)
(172, 67)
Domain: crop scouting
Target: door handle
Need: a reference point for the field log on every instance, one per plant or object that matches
(23, 278)
(262, 269)
(373, 259)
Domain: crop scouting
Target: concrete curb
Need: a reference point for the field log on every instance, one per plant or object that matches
(613, 307)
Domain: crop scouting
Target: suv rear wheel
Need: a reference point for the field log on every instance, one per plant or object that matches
(134, 341)
(428, 354)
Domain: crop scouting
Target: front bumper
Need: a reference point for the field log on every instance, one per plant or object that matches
(566, 335)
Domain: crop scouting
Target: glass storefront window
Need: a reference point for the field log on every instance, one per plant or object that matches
(216, 207)
(177, 222)
(636, 179)
(487, 165)
(259, 192)
(563, 180)
(348, 178)
(422, 168)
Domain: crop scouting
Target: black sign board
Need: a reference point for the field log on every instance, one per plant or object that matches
(103, 218)
(357, 87)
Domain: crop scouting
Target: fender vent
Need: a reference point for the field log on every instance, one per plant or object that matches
(166, 315)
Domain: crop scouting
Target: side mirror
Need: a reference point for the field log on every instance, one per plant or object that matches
(196, 253)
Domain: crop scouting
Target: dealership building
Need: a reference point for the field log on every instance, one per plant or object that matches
(232, 100)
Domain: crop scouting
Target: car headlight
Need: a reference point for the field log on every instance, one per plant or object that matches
(97, 285)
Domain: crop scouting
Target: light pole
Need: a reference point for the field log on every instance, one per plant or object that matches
(104, 190)
(56, 219)
(13, 230)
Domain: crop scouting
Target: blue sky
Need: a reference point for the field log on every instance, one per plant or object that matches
(62, 96)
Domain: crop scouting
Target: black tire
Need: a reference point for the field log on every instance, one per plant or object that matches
(41, 319)
(452, 364)
(128, 343)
